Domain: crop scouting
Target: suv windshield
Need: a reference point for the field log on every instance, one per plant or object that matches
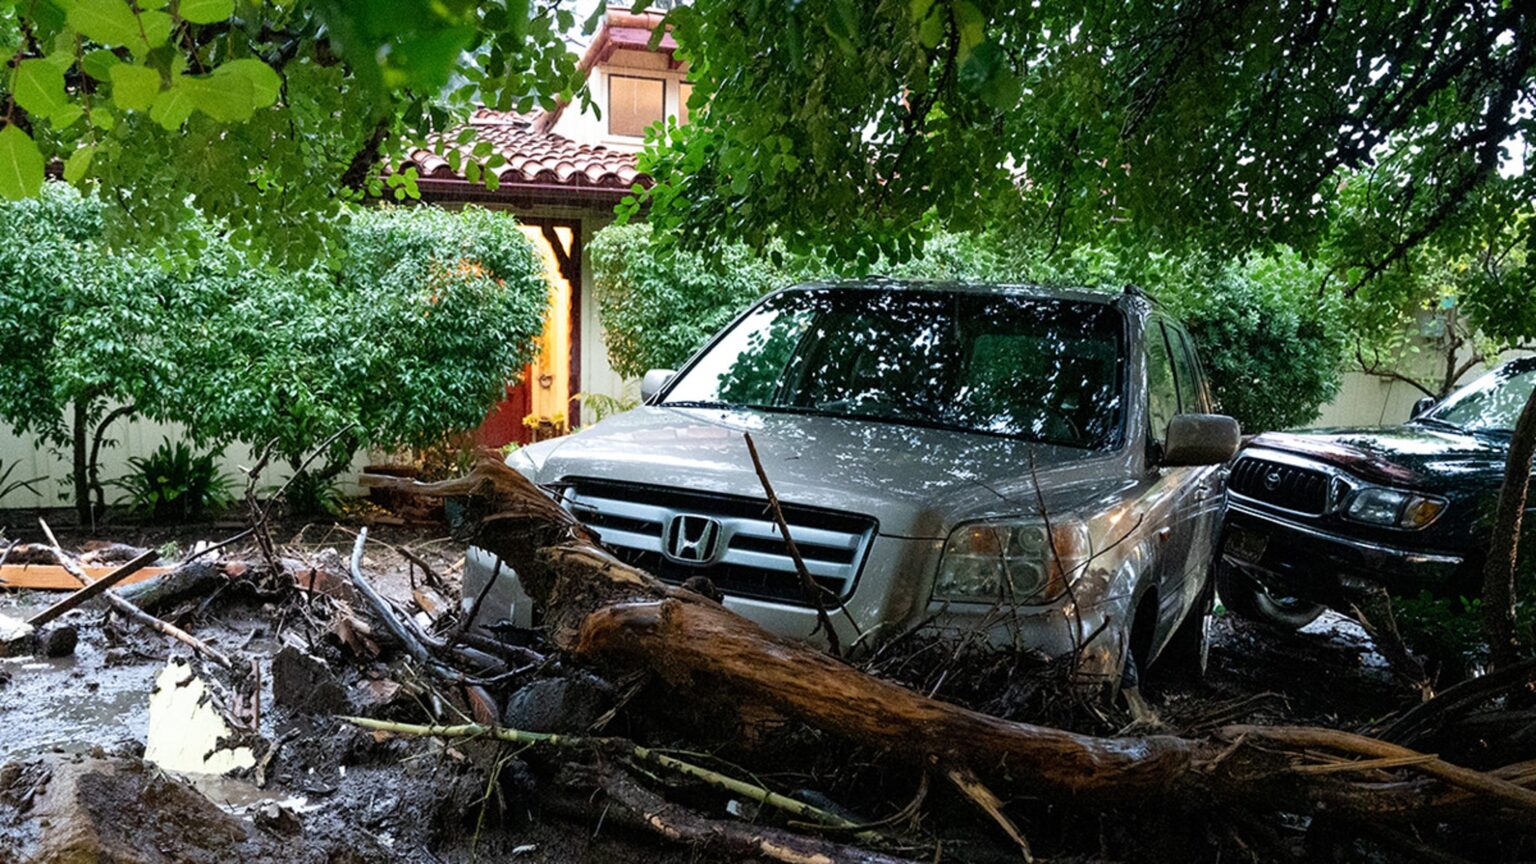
(1493, 402)
(1002, 364)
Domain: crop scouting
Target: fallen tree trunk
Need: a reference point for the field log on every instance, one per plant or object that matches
(599, 608)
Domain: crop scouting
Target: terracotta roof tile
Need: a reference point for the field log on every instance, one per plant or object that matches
(533, 157)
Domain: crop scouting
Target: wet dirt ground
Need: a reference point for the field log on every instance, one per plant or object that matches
(357, 797)
(420, 800)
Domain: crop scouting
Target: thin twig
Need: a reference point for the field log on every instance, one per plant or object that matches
(813, 590)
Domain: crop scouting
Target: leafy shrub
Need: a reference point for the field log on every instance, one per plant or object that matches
(311, 493)
(659, 305)
(173, 484)
(603, 405)
(414, 337)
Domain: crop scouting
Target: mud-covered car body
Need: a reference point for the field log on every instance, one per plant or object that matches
(1320, 516)
(901, 428)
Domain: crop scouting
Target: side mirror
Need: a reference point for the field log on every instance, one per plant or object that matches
(653, 382)
(1201, 439)
(1421, 407)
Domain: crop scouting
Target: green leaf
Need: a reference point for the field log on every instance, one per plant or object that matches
(39, 87)
(172, 107)
(21, 164)
(157, 28)
(109, 22)
(134, 88)
(78, 163)
(98, 63)
(205, 11)
(66, 116)
(228, 98)
(265, 83)
(590, 25)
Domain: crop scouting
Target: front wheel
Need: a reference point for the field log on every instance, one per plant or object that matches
(1248, 598)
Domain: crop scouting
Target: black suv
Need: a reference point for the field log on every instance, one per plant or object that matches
(1315, 517)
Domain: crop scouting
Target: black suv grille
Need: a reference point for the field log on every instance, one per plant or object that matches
(1300, 489)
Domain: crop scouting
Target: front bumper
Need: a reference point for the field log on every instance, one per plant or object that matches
(1317, 564)
(891, 597)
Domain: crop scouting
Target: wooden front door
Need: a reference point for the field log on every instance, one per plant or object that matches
(540, 402)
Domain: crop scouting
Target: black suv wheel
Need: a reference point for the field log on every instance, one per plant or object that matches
(1248, 598)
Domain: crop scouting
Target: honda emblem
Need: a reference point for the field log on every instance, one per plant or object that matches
(691, 539)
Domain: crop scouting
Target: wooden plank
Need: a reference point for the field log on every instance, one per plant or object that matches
(52, 577)
(117, 576)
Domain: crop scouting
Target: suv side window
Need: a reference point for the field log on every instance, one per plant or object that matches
(1162, 386)
(1192, 395)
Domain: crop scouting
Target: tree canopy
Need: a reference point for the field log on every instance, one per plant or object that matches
(1212, 125)
(264, 116)
(852, 128)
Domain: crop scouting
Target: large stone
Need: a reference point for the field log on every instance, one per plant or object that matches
(570, 704)
(58, 641)
(121, 811)
(304, 683)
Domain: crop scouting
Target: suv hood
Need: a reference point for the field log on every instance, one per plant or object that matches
(1411, 455)
(917, 482)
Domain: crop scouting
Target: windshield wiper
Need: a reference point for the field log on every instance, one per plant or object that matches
(697, 404)
(1436, 421)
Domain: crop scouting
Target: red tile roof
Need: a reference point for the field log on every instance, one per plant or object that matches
(537, 161)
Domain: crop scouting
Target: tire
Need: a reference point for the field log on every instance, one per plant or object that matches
(1188, 649)
(1248, 598)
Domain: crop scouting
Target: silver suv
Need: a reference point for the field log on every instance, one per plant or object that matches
(1038, 465)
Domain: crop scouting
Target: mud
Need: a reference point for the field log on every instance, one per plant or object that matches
(81, 736)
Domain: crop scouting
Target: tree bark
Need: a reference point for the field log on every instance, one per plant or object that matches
(82, 481)
(1498, 602)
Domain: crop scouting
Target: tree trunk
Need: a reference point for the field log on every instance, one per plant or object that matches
(82, 409)
(614, 615)
(1498, 601)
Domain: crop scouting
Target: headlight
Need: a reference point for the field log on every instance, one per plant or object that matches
(1017, 561)
(1376, 505)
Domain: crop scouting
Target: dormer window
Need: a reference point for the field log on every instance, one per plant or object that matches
(634, 103)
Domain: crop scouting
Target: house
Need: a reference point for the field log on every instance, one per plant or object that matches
(564, 171)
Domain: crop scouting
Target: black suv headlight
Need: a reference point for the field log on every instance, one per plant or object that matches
(1394, 508)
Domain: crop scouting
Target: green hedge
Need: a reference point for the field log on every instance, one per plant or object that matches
(414, 337)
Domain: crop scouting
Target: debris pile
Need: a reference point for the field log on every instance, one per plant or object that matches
(298, 708)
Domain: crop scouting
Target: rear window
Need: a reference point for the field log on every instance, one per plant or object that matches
(1041, 369)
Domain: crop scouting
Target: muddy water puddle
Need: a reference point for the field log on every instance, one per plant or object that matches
(99, 697)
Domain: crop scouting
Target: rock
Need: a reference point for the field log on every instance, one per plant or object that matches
(278, 819)
(16, 637)
(305, 683)
(116, 810)
(58, 641)
(570, 704)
